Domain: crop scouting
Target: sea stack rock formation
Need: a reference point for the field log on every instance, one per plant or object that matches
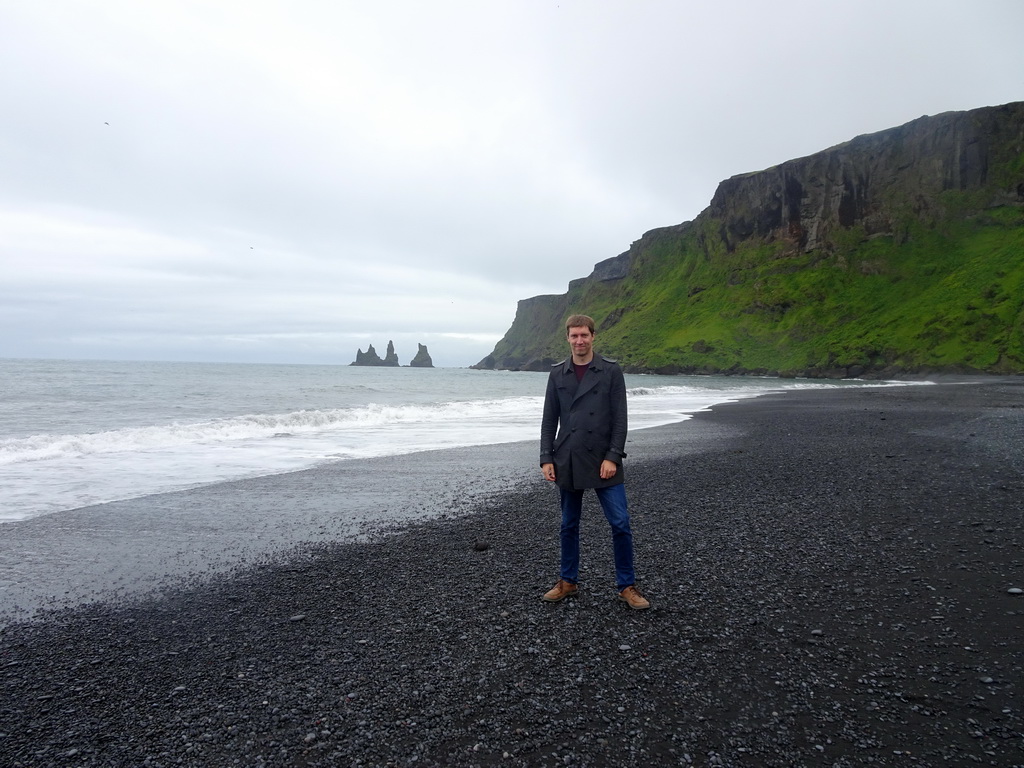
(370, 357)
(422, 359)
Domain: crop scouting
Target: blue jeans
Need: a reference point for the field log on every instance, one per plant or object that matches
(613, 502)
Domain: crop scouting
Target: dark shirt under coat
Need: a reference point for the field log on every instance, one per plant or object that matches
(590, 421)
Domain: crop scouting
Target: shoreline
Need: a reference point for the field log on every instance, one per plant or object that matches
(128, 548)
(829, 572)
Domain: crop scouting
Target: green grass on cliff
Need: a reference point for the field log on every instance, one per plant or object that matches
(948, 296)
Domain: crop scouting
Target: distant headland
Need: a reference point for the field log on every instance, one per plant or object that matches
(370, 357)
(895, 253)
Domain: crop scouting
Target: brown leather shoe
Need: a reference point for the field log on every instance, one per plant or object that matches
(560, 591)
(634, 599)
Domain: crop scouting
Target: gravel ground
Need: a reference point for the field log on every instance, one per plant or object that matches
(834, 578)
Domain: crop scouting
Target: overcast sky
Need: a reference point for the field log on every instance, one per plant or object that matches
(290, 181)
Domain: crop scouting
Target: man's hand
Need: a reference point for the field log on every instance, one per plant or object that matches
(608, 469)
(549, 472)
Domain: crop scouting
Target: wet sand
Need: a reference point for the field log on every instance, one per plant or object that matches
(125, 549)
(833, 577)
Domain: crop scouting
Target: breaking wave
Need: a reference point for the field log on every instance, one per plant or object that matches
(263, 426)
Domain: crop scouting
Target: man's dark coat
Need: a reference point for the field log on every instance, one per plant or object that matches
(590, 420)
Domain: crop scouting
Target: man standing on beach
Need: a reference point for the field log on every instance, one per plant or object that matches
(585, 404)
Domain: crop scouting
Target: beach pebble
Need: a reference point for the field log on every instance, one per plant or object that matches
(1015, 591)
(402, 664)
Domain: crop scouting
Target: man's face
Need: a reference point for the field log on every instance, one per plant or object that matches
(581, 340)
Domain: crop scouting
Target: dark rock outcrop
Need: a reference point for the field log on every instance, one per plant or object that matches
(422, 358)
(370, 357)
(867, 181)
(615, 268)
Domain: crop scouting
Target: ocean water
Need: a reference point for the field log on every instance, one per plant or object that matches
(76, 433)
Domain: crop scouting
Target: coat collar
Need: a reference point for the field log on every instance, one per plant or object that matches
(596, 364)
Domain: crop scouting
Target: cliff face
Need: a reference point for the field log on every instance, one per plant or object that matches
(873, 181)
(899, 251)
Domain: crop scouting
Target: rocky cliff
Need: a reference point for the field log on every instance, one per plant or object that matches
(899, 251)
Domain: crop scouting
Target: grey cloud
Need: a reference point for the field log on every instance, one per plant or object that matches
(269, 184)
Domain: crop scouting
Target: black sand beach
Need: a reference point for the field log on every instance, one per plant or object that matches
(834, 578)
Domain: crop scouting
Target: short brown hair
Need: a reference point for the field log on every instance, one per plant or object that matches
(579, 321)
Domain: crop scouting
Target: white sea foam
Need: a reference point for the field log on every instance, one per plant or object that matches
(73, 434)
(339, 422)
